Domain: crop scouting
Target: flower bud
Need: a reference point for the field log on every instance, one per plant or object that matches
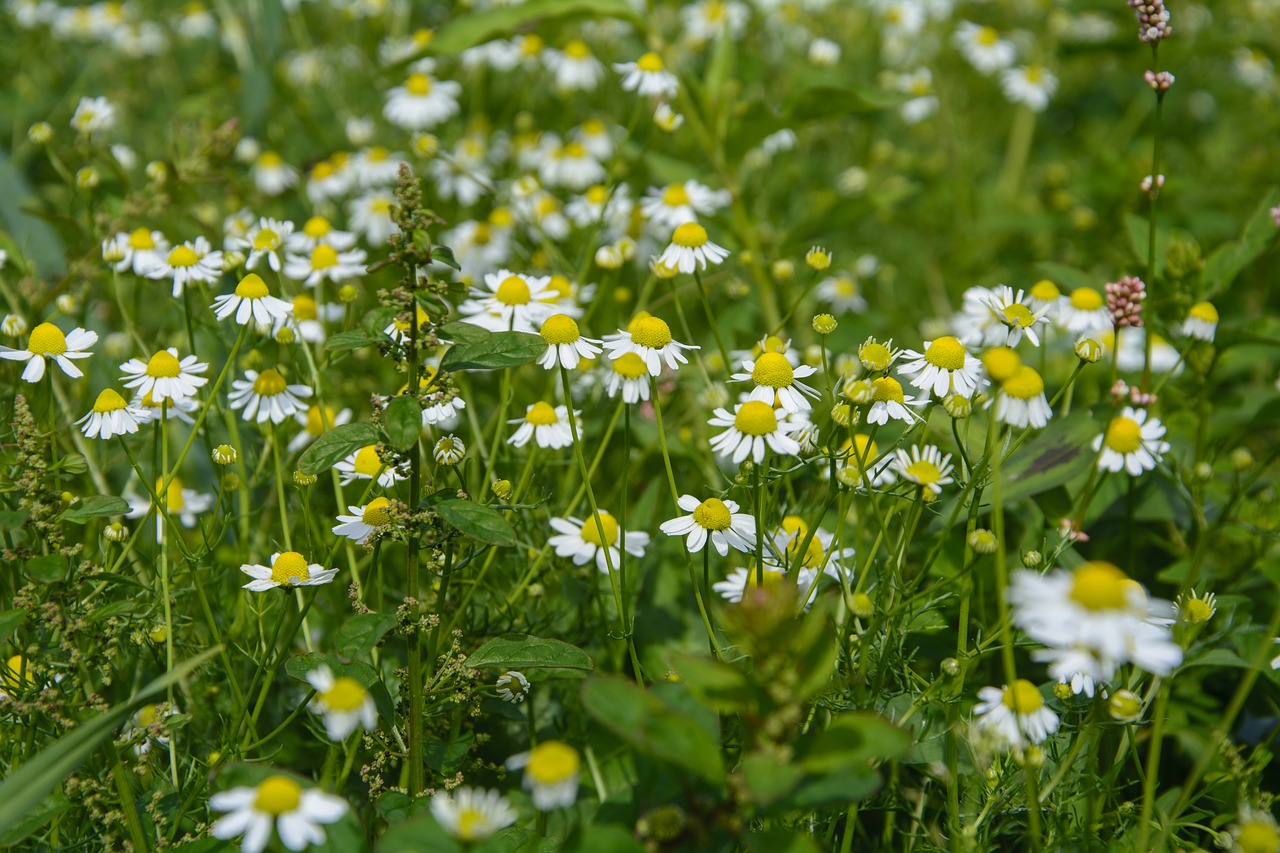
(1241, 459)
(450, 450)
(425, 145)
(88, 178)
(230, 481)
(13, 325)
(285, 336)
(67, 304)
(957, 406)
(1124, 706)
(818, 258)
(115, 532)
(40, 133)
(157, 171)
(301, 479)
(1088, 350)
(225, 454)
(158, 634)
(348, 293)
(1062, 691)
(824, 324)
(842, 414)
(951, 667)
(502, 489)
(232, 259)
(783, 270)
(863, 606)
(983, 541)
(1032, 559)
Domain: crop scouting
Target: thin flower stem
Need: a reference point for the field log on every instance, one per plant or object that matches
(1153, 194)
(413, 581)
(711, 319)
(757, 493)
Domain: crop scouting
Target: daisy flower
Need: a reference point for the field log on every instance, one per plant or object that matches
(252, 301)
(272, 175)
(877, 356)
(47, 341)
(180, 502)
(345, 703)
(776, 378)
(945, 367)
(471, 814)
(112, 416)
(1014, 317)
(194, 260)
(370, 214)
(751, 428)
(147, 726)
(819, 554)
(712, 519)
(927, 467)
(550, 774)
(1132, 442)
(329, 179)
(842, 293)
(325, 263)
(318, 231)
(629, 375)
(287, 569)
(691, 249)
(649, 338)
(139, 250)
(1165, 357)
(307, 318)
(316, 423)
(266, 239)
(163, 376)
(598, 138)
(365, 521)
(509, 301)
(298, 815)
(581, 541)
(93, 115)
(548, 426)
(1257, 831)
(706, 19)
(422, 102)
(565, 344)
(647, 76)
(735, 586)
(376, 166)
(512, 687)
(364, 464)
(575, 69)
(1021, 402)
(1032, 85)
(570, 165)
(1015, 713)
(667, 208)
(889, 402)
(267, 396)
(983, 48)
(1084, 313)
(1201, 322)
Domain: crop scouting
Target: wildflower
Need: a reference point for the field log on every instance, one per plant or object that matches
(1132, 442)
(179, 501)
(751, 428)
(548, 426)
(13, 325)
(705, 20)
(819, 554)
(1124, 301)
(927, 467)
(824, 324)
(287, 569)
(923, 102)
(422, 102)
(818, 258)
(509, 301)
(649, 338)
(712, 519)
(875, 356)
(471, 814)
(251, 301)
(318, 231)
(1016, 713)
(93, 115)
(325, 263)
(1044, 294)
(669, 207)
(115, 532)
(565, 344)
(147, 725)
(690, 249)
(365, 521)
(512, 687)
(1001, 363)
(889, 402)
(1014, 318)
(112, 416)
(983, 48)
(306, 318)
(449, 450)
(1021, 401)
(1196, 610)
(647, 76)
(1032, 85)
(345, 703)
(666, 118)
(550, 774)
(1165, 357)
(225, 454)
(376, 166)
(824, 53)
(298, 815)
(268, 396)
(194, 260)
(163, 377)
(735, 586)
(1201, 322)
(575, 69)
(272, 175)
(1088, 350)
(774, 377)
(630, 375)
(266, 239)
(1153, 20)
(581, 540)
(439, 407)
(139, 250)
(47, 341)
(365, 464)
(1084, 313)
(945, 367)
(842, 293)
(1124, 706)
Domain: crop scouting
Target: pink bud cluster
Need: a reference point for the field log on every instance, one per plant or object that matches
(1161, 81)
(1124, 301)
(1153, 20)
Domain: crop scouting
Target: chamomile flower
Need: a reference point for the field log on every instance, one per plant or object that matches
(1015, 713)
(565, 344)
(570, 165)
(1021, 402)
(297, 814)
(509, 301)
(945, 367)
(647, 76)
(667, 208)
(180, 502)
(1014, 317)
(330, 178)
(1084, 313)
(307, 318)
(628, 375)
(287, 569)
(48, 341)
(272, 175)
(265, 240)
(318, 231)
(376, 166)
(842, 293)
(365, 464)
(1256, 831)
(112, 416)
(1133, 442)
(194, 260)
(550, 774)
(1045, 294)
(713, 519)
(422, 102)
(93, 116)
(471, 814)
(512, 687)
(370, 214)
(163, 377)
(251, 302)
(774, 377)
(345, 703)
(575, 69)
(888, 402)
(325, 263)
(1201, 322)
(1032, 85)
(581, 541)
(365, 522)
(735, 586)
(547, 426)
(750, 429)
(706, 19)
(649, 338)
(139, 250)
(267, 396)
(691, 249)
(983, 48)
(1132, 357)
(147, 726)
(819, 554)
(927, 467)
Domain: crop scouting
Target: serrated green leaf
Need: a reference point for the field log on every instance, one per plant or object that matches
(524, 651)
(94, 506)
(403, 422)
(470, 30)
(337, 444)
(48, 568)
(476, 520)
(359, 634)
(1050, 459)
(299, 665)
(498, 349)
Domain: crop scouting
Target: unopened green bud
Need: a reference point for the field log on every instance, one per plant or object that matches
(88, 178)
(40, 133)
(1241, 459)
(225, 454)
(824, 324)
(1032, 559)
(1062, 691)
(983, 541)
(502, 489)
(301, 479)
(285, 336)
(863, 606)
(951, 667)
(1124, 706)
(348, 293)
(957, 406)
(1088, 350)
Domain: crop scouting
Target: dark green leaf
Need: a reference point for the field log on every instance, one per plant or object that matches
(13, 520)
(827, 100)
(115, 608)
(336, 445)
(499, 349)
(403, 421)
(780, 841)
(853, 737)
(49, 568)
(444, 255)
(355, 339)
(603, 839)
(470, 30)
(522, 651)
(38, 817)
(94, 506)
(299, 665)
(420, 835)
(464, 333)
(359, 634)
(1227, 261)
(473, 519)
(718, 685)
(841, 786)
(447, 758)
(1050, 459)
(9, 622)
(768, 779)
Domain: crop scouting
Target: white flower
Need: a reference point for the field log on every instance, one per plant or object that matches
(550, 774)
(288, 569)
(1084, 313)
(706, 19)
(888, 402)
(345, 703)
(842, 293)
(267, 396)
(112, 416)
(252, 301)
(422, 102)
(140, 250)
(775, 377)
(581, 541)
(47, 341)
(983, 47)
(628, 375)
(93, 115)
(691, 249)
(272, 175)
(318, 231)
(472, 814)
(370, 213)
(667, 208)
(376, 166)
(574, 67)
(1021, 402)
(647, 76)
(649, 338)
(819, 553)
(194, 260)
(712, 519)
(565, 344)
(1013, 318)
(734, 587)
(364, 464)
(927, 467)
(1132, 442)
(1016, 714)
(265, 239)
(277, 801)
(945, 367)
(546, 425)
(186, 504)
(163, 376)
(1201, 322)
(365, 521)
(512, 687)
(509, 301)
(1032, 85)
(325, 263)
(570, 165)
(751, 428)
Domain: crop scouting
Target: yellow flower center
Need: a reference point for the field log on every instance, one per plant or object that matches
(675, 195)
(1124, 435)
(418, 84)
(650, 332)
(551, 762)
(1001, 363)
(183, 256)
(577, 49)
(1018, 315)
(316, 419)
(861, 449)
(304, 307)
(797, 529)
(514, 290)
(367, 461)
(755, 418)
(573, 150)
(277, 795)
(715, 10)
(1035, 74)
(323, 169)
(377, 513)
(560, 329)
(886, 389)
(108, 401)
(1086, 299)
(541, 414)
(252, 287)
(690, 235)
(421, 317)
(266, 240)
(772, 579)
(946, 352)
(270, 160)
(1023, 697)
(47, 339)
(323, 257)
(173, 500)
(597, 194)
(591, 530)
(14, 672)
(501, 217)
(1258, 836)
(269, 383)
(712, 514)
(471, 822)
(532, 44)
(1024, 384)
(1205, 312)
(773, 369)
(163, 365)
(923, 472)
(1045, 290)
(377, 154)
(316, 227)
(1100, 586)
(140, 238)
(1197, 611)
(146, 715)
(347, 694)
(650, 63)
(987, 36)
(630, 366)
(874, 355)
(289, 568)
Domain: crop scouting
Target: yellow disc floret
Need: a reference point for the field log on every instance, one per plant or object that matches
(183, 256)
(289, 568)
(1025, 384)
(946, 352)
(367, 462)
(514, 290)
(1023, 697)
(252, 287)
(1001, 363)
(552, 762)
(773, 369)
(277, 795)
(690, 235)
(650, 63)
(541, 414)
(650, 332)
(559, 329)
(269, 383)
(418, 84)
(630, 366)
(755, 418)
(109, 401)
(1124, 435)
(323, 257)
(163, 365)
(377, 512)
(1086, 299)
(591, 531)
(886, 389)
(346, 694)
(712, 514)
(675, 195)
(47, 339)
(1100, 585)
(140, 238)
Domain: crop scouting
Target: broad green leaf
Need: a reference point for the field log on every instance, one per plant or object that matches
(464, 333)
(38, 817)
(9, 622)
(1227, 261)
(49, 568)
(359, 634)
(718, 685)
(336, 445)
(354, 339)
(1068, 278)
(475, 28)
(826, 100)
(768, 779)
(852, 737)
(444, 255)
(476, 520)
(299, 665)
(447, 758)
(94, 506)
(523, 651)
(843, 786)
(14, 519)
(1052, 458)
(498, 349)
(403, 422)
(603, 838)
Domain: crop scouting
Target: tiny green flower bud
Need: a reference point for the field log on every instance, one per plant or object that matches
(992, 777)
(1241, 459)
(502, 489)
(158, 634)
(157, 171)
(1062, 691)
(1195, 610)
(1203, 471)
(824, 324)
(842, 414)
(232, 259)
(40, 133)
(450, 450)
(1032, 559)
(115, 532)
(113, 252)
(225, 454)
(1088, 350)
(67, 498)
(951, 667)
(818, 258)
(285, 336)
(783, 270)
(88, 178)
(67, 304)
(859, 391)
(348, 293)
(230, 481)
(863, 606)
(301, 479)
(1124, 706)
(982, 541)
(957, 406)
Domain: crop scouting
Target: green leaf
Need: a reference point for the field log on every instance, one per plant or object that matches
(25, 788)
(403, 421)
(523, 651)
(14, 519)
(299, 665)
(1052, 458)
(420, 835)
(603, 838)
(38, 817)
(447, 758)
(94, 506)
(1069, 278)
(354, 339)
(476, 520)
(472, 29)
(49, 568)
(444, 255)
(780, 841)
(465, 333)
(718, 685)
(498, 349)
(1139, 234)
(824, 101)
(9, 622)
(768, 779)
(853, 737)
(1229, 260)
(337, 444)
(359, 634)
(848, 785)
